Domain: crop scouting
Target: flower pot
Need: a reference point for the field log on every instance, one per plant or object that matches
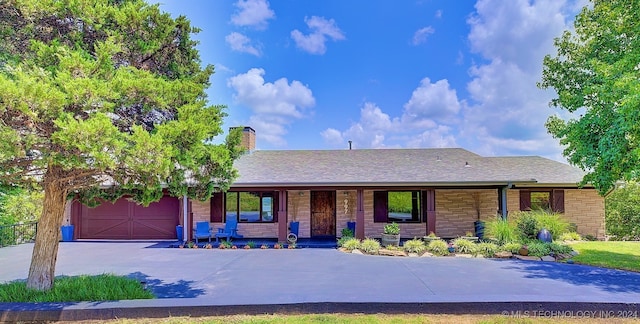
(294, 227)
(523, 251)
(389, 239)
(352, 227)
(180, 233)
(67, 233)
(479, 227)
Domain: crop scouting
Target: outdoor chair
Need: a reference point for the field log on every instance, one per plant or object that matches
(202, 230)
(230, 230)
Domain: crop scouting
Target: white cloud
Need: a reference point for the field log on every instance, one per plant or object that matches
(321, 30)
(507, 112)
(241, 43)
(420, 36)
(433, 101)
(253, 13)
(274, 105)
(438, 13)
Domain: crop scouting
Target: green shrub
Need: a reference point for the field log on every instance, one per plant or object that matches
(553, 222)
(464, 246)
(487, 249)
(414, 246)
(346, 232)
(570, 236)
(501, 230)
(370, 246)
(622, 212)
(438, 247)
(342, 240)
(527, 224)
(351, 244)
(392, 229)
(538, 248)
(512, 247)
(560, 248)
(251, 244)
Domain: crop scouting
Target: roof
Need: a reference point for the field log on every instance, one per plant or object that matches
(398, 167)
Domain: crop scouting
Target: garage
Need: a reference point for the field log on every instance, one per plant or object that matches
(126, 220)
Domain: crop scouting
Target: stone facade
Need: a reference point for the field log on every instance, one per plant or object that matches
(457, 209)
(300, 200)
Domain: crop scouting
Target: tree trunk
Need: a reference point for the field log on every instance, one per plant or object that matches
(45, 250)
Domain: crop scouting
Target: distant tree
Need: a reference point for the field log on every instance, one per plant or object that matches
(104, 91)
(19, 205)
(622, 210)
(596, 74)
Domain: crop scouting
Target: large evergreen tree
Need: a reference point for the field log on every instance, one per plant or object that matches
(596, 74)
(104, 91)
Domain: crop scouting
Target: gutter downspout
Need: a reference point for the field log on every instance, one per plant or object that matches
(503, 193)
(185, 217)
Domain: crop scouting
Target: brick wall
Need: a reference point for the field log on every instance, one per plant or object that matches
(456, 210)
(372, 229)
(303, 200)
(583, 207)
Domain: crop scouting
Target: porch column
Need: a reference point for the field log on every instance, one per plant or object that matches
(283, 226)
(431, 211)
(503, 201)
(360, 214)
(185, 218)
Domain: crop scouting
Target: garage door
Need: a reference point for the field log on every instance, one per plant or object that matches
(127, 220)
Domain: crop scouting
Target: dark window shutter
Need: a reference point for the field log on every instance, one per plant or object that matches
(525, 200)
(558, 201)
(275, 206)
(217, 207)
(380, 214)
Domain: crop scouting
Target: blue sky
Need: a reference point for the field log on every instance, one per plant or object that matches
(315, 74)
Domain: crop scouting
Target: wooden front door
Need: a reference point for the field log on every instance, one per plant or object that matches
(323, 213)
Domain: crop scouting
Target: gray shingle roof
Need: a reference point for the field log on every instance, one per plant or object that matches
(395, 167)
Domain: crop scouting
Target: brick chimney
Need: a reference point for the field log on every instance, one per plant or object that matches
(248, 138)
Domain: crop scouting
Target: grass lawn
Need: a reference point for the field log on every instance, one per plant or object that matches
(611, 254)
(80, 288)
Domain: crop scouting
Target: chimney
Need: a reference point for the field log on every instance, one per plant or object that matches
(248, 138)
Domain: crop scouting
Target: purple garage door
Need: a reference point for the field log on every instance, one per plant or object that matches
(126, 220)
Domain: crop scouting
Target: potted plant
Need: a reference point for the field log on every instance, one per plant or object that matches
(391, 235)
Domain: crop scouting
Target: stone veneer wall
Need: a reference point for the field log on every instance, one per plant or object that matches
(372, 229)
(583, 207)
(456, 210)
(303, 197)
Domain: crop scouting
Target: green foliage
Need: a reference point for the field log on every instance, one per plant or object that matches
(346, 232)
(501, 230)
(512, 247)
(526, 224)
(251, 244)
(622, 212)
(400, 201)
(553, 222)
(464, 246)
(559, 248)
(226, 244)
(370, 246)
(414, 246)
(538, 248)
(569, 236)
(75, 289)
(20, 206)
(438, 247)
(596, 76)
(343, 240)
(392, 229)
(487, 249)
(351, 244)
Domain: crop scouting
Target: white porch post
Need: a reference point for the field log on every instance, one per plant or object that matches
(185, 218)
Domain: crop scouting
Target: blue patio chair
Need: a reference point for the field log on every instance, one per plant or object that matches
(202, 230)
(229, 231)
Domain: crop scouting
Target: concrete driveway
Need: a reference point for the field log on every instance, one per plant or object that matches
(242, 278)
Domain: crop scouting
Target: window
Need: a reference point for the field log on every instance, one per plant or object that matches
(549, 200)
(251, 207)
(397, 206)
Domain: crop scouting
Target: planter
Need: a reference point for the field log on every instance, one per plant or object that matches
(523, 251)
(180, 233)
(388, 239)
(294, 227)
(352, 227)
(544, 235)
(479, 228)
(67, 233)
